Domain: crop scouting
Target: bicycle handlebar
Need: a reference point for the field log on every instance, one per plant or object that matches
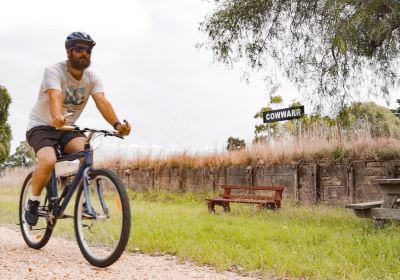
(91, 131)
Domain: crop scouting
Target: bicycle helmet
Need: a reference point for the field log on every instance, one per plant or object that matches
(76, 37)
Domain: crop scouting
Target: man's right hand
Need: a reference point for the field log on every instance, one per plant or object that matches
(124, 129)
(59, 121)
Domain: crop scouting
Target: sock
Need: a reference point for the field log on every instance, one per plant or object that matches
(33, 198)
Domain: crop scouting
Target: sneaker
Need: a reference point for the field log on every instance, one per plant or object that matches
(31, 212)
(85, 212)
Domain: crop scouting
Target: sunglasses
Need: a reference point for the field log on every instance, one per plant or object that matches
(80, 49)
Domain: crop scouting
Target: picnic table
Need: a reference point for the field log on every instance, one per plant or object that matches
(383, 210)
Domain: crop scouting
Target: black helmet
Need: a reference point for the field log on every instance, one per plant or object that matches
(76, 37)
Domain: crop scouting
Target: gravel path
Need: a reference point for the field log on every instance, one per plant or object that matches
(18, 261)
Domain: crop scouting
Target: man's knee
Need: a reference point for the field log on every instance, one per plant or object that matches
(75, 145)
(47, 157)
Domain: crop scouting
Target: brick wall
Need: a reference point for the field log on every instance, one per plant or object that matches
(330, 183)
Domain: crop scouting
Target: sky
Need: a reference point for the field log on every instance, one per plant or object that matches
(174, 95)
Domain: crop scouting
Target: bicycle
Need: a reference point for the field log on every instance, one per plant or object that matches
(102, 218)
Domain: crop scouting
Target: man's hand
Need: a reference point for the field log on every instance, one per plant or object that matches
(59, 121)
(124, 128)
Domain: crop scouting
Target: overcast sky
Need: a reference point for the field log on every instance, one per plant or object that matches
(173, 94)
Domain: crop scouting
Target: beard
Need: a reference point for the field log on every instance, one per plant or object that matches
(79, 63)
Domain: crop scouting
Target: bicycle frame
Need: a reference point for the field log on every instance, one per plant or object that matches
(81, 176)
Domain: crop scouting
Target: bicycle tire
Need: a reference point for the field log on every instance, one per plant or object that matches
(81, 229)
(32, 237)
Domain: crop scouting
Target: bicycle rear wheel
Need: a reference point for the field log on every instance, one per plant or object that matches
(103, 239)
(35, 236)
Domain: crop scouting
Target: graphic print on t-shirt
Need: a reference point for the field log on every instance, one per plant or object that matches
(74, 96)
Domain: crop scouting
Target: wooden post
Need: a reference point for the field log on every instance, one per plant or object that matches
(151, 174)
(182, 180)
(316, 183)
(390, 170)
(249, 178)
(345, 181)
(352, 184)
(296, 183)
(127, 177)
(212, 177)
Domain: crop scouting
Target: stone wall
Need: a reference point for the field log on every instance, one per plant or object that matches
(330, 183)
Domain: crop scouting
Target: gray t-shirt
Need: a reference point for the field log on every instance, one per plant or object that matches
(75, 94)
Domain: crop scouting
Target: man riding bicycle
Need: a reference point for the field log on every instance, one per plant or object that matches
(65, 89)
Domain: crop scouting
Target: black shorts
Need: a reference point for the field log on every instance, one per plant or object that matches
(47, 136)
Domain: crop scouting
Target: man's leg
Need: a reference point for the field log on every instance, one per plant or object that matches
(75, 145)
(41, 174)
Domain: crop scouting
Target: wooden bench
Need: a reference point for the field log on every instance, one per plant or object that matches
(264, 201)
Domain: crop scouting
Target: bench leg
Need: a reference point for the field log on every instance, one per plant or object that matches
(226, 206)
(211, 206)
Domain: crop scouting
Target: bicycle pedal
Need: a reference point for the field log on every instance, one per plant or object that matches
(88, 216)
(65, 216)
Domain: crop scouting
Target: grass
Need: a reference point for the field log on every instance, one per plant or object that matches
(319, 242)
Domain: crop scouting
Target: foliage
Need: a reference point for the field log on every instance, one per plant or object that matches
(330, 48)
(235, 144)
(264, 131)
(277, 99)
(381, 121)
(397, 110)
(5, 130)
(24, 156)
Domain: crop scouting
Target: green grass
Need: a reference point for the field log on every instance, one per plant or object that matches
(299, 241)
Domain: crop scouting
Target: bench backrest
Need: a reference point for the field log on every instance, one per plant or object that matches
(244, 187)
(277, 189)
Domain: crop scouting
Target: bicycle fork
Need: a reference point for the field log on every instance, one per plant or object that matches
(99, 188)
(88, 205)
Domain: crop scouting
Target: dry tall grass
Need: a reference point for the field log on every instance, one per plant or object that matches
(14, 177)
(317, 143)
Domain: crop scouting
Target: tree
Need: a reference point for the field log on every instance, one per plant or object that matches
(24, 156)
(397, 110)
(379, 120)
(327, 47)
(235, 144)
(5, 130)
(264, 131)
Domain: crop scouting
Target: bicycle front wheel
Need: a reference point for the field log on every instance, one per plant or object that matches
(102, 238)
